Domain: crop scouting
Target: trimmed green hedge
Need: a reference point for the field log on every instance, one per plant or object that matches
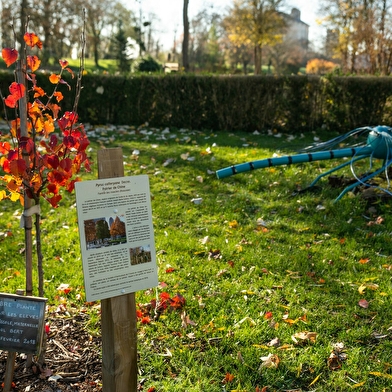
(248, 103)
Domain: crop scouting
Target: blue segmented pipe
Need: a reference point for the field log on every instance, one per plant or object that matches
(290, 159)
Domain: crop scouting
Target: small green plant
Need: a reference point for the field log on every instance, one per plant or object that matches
(149, 65)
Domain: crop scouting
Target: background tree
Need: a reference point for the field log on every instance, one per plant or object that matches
(120, 47)
(360, 34)
(206, 37)
(185, 41)
(255, 23)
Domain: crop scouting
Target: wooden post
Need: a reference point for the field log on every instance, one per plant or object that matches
(118, 314)
(9, 371)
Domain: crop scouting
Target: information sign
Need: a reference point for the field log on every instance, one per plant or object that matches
(116, 236)
(21, 323)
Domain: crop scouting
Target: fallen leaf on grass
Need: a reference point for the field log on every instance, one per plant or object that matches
(379, 374)
(167, 354)
(364, 286)
(336, 357)
(268, 315)
(251, 322)
(271, 361)
(228, 378)
(363, 303)
(378, 221)
(214, 254)
(379, 336)
(221, 272)
(168, 162)
(274, 343)
(315, 380)
(364, 260)
(185, 320)
(64, 288)
(304, 337)
(233, 224)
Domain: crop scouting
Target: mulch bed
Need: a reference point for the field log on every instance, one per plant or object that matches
(72, 360)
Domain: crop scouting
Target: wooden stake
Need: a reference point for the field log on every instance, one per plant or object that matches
(118, 314)
(9, 371)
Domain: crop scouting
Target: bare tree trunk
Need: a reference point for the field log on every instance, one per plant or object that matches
(185, 42)
(258, 58)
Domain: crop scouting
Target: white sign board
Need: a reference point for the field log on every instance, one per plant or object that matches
(116, 236)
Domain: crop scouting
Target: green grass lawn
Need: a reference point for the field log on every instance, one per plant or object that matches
(274, 281)
(105, 65)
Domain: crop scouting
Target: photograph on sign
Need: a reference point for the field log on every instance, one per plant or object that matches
(116, 236)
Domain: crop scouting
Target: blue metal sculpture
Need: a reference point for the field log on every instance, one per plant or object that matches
(378, 145)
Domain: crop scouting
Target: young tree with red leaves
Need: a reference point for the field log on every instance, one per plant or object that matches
(45, 150)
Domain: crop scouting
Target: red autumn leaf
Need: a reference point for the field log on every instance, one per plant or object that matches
(67, 121)
(53, 141)
(178, 301)
(363, 303)
(52, 161)
(54, 201)
(32, 40)
(12, 155)
(53, 188)
(10, 101)
(9, 56)
(145, 320)
(33, 62)
(164, 296)
(57, 177)
(66, 164)
(18, 167)
(17, 91)
(62, 81)
(151, 389)
(4, 147)
(170, 270)
(71, 186)
(268, 315)
(63, 63)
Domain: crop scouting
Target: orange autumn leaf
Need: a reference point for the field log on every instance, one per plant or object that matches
(54, 78)
(33, 62)
(59, 96)
(9, 56)
(32, 40)
(290, 321)
(364, 260)
(228, 378)
(38, 92)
